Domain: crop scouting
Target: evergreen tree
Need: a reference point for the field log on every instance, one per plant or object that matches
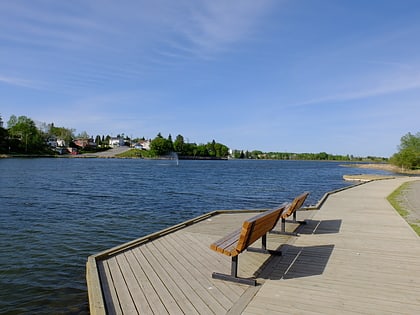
(98, 140)
(179, 145)
(4, 145)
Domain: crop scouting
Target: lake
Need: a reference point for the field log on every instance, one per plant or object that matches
(56, 212)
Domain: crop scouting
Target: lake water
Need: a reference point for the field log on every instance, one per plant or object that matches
(54, 213)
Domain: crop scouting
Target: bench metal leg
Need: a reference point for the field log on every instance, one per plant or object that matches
(234, 267)
(263, 248)
(295, 220)
(233, 277)
(283, 226)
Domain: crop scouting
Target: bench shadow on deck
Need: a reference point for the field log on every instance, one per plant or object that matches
(170, 271)
(304, 261)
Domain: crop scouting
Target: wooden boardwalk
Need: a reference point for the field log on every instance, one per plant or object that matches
(356, 255)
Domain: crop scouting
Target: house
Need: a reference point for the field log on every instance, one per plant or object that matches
(55, 142)
(61, 143)
(116, 142)
(85, 142)
(142, 145)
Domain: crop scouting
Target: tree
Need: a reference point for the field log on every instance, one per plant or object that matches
(408, 155)
(170, 143)
(12, 121)
(106, 141)
(202, 150)
(161, 146)
(211, 148)
(4, 146)
(26, 137)
(179, 145)
(98, 140)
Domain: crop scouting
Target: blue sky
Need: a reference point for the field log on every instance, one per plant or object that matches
(298, 76)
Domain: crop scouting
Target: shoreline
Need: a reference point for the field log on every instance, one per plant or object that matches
(384, 167)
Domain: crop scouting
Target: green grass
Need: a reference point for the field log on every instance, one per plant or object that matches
(395, 200)
(416, 228)
(133, 153)
(395, 197)
(136, 153)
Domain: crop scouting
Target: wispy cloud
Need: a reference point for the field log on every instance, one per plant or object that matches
(203, 26)
(20, 82)
(211, 26)
(138, 38)
(377, 84)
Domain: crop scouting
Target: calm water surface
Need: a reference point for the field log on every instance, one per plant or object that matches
(54, 213)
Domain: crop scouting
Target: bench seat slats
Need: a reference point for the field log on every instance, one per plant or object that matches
(227, 244)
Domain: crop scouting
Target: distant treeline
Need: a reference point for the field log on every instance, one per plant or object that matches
(322, 156)
(162, 146)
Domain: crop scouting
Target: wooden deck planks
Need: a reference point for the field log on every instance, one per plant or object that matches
(180, 291)
(165, 296)
(172, 275)
(200, 272)
(209, 261)
(153, 300)
(133, 290)
(189, 288)
(108, 288)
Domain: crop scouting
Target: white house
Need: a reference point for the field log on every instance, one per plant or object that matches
(142, 145)
(56, 142)
(116, 142)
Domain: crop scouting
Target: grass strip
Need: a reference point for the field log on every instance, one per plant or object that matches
(395, 200)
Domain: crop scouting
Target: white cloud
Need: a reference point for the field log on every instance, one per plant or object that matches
(377, 85)
(20, 82)
(212, 26)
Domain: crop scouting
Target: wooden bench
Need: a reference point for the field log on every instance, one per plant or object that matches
(236, 242)
(295, 205)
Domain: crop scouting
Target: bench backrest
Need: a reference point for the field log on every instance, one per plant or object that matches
(295, 205)
(257, 226)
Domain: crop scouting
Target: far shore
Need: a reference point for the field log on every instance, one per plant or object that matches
(112, 153)
(385, 167)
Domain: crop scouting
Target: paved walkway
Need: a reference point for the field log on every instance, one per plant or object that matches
(357, 255)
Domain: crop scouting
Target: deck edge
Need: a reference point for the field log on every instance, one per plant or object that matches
(96, 300)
